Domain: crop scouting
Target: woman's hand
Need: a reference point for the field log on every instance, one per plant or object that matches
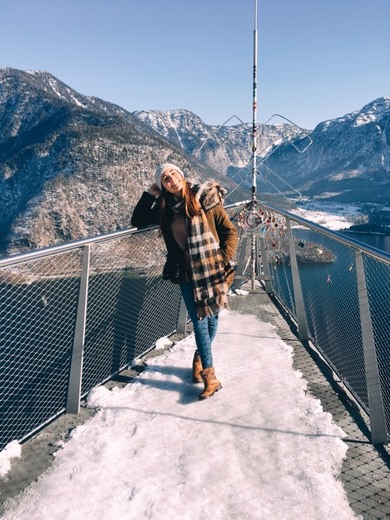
(154, 190)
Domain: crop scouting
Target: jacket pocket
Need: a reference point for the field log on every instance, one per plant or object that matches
(174, 272)
(229, 274)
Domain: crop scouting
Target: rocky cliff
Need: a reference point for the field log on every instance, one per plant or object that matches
(71, 166)
(345, 159)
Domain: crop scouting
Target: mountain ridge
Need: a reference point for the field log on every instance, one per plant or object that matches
(337, 160)
(73, 166)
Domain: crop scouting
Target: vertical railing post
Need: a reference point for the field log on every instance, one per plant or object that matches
(242, 258)
(374, 392)
(76, 367)
(266, 271)
(298, 297)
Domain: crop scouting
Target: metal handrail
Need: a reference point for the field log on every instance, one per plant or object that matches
(99, 306)
(75, 244)
(62, 248)
(355, 244)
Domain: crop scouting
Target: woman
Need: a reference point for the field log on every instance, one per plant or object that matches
(201, 240)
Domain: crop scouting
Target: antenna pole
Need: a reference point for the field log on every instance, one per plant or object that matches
(254, 120)
(254, 150)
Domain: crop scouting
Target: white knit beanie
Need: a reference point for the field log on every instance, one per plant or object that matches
(161, 169)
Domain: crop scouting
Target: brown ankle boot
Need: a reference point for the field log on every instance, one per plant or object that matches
(211, 383)
(196, 368)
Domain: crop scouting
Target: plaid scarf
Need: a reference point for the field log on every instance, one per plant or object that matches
(208, 267)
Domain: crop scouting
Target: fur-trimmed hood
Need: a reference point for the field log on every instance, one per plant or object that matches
(209, 194)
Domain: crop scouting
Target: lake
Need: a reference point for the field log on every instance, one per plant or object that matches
(381, 242)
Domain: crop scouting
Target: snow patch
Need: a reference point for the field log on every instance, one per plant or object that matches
(263, 449)
(331, 215)
(11, 451)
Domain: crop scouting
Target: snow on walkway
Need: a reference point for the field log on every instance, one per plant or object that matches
(261, 448)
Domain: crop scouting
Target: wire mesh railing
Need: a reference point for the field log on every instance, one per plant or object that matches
(128, 307)
(345, 305)
(73, 316)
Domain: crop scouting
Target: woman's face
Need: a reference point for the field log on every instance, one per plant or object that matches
(172, 181)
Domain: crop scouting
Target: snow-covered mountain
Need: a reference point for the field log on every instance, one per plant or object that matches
(226, 148)
(71, 166)
(345, 159)
(348, 160)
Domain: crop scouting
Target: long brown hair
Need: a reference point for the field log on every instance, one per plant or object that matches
(192, 206)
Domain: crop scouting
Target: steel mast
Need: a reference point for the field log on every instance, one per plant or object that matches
(254, 115)
(254, 149)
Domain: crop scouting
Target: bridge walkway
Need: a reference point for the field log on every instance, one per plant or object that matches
(366, 469)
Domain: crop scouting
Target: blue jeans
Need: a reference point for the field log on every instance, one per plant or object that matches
(204, 330)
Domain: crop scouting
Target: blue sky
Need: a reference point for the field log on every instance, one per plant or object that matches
(317, 59)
